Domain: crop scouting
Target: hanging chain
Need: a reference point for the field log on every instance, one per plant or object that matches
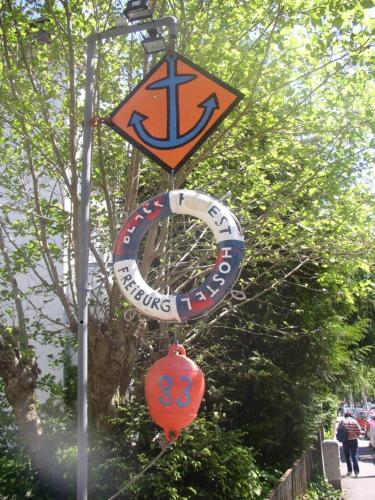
(172, 184)
(175, 335)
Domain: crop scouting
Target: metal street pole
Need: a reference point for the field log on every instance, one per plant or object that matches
(83, 277)
(84, 233)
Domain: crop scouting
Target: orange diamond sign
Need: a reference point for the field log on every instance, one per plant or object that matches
(173, 110)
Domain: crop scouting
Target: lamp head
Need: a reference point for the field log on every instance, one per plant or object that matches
(154, 42)
(137, 10)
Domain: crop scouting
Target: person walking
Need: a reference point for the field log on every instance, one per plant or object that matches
(371, 432)
(350, 444)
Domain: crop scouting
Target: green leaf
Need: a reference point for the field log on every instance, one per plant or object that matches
(367, 4)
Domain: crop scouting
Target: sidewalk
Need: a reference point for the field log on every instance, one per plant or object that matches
(363, 487)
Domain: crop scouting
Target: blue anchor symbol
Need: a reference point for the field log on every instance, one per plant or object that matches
(171, 84)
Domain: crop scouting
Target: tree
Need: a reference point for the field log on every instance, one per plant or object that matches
(291, 157)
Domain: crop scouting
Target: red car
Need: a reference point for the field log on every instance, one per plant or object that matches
(363, 417)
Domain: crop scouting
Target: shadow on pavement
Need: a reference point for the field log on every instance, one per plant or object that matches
(363, 486)
(366, 454)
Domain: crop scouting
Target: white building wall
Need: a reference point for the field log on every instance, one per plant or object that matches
(37, 307)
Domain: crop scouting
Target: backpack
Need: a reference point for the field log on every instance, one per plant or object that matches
(342, 432)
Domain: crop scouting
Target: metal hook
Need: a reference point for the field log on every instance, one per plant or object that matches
(129, 315)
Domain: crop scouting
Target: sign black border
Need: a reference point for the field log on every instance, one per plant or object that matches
(208, 132)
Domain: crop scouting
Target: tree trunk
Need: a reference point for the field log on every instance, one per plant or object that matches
(112, 354)
(20, 374)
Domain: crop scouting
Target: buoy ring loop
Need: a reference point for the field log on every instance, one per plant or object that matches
(224, 273)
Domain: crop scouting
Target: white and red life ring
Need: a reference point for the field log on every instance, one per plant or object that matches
(224, 273)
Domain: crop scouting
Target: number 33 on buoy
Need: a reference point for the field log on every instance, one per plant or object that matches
(174, 390)
(224, 273)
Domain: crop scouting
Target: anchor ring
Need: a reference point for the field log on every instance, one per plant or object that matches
(224, 273)
(238, 295)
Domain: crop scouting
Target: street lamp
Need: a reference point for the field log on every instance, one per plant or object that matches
(155, 42)
(137, 10)
(133, 7)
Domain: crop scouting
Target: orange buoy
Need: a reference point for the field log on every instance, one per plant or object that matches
(174, 389)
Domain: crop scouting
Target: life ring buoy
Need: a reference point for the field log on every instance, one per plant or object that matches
(224, 273)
